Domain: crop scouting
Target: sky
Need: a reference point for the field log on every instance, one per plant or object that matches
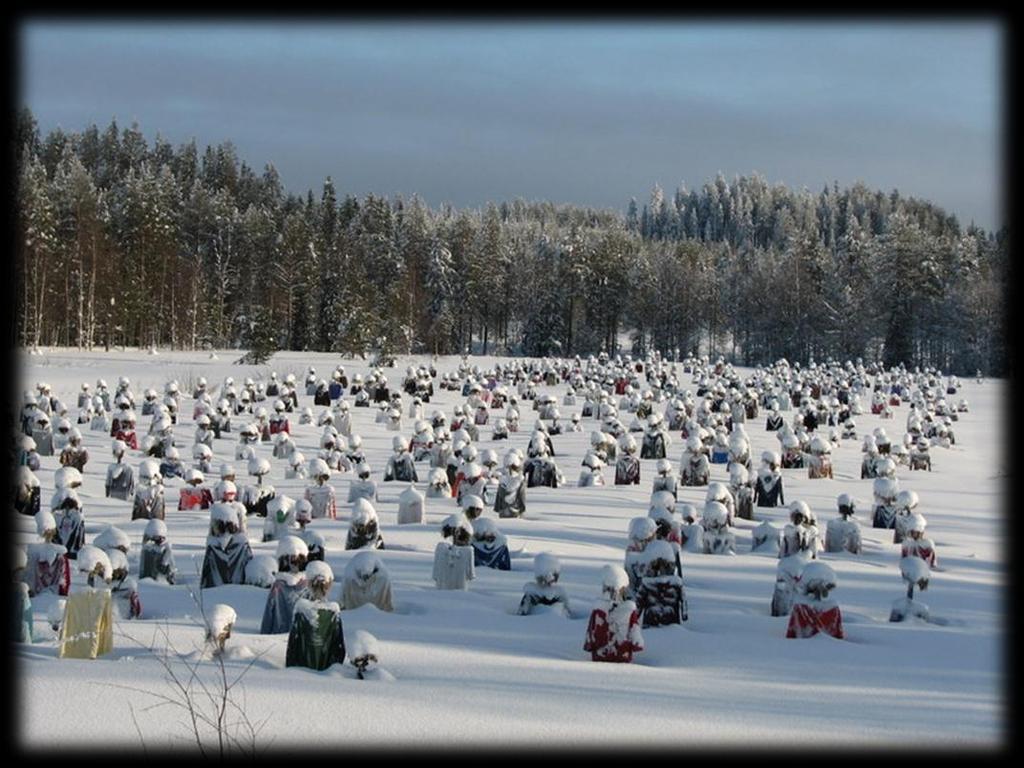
(584, 112)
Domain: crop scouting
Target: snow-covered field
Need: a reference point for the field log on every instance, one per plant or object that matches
(468, 670)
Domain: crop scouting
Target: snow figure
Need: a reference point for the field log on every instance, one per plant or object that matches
(843, 532)
(74, 454)
(124, 430)
(219, 623)
(849, 430)
(775, 420)
(541, 470)
(718, 536)
(666, 526)
(227, 549)
(203, 457)
(768, 489)
(42, 433)
(819, 461)
(255, 498)
(742, 491)
(812, 611)
(364, 527)
(321, 495)
(590, 474)
(278, 423)
(400, 465)
(289, 586)
(917, 544)
(739, 451)
(280, 520)
(21, 605)
(765, 537)
(613, 632)
(70, 521)
(48, 568)
(194, 495)
(915, 572)
(720, 447)
(438, 485)
(792, 455)
(87, 627)
(655, 442)
(362, 487)
(27, 491)
(453, 563)
(544, 593)
(666, 479)
(695, 468)
(248, 437)
(410, 506)
(787, 576)
(156, 560)
(366, 580)
(642, 531)
(920, 458)
(422, 441)
(316, 639)
(540, 442)
(720, 493)
(510, 497)
(27, 454)
(148, 502)
(884, 512)
(61, 436)
(660, 596)
(691, 532)
(800, 534)
(627, 466)
(905, 504)
(490, 547)
(124, 589)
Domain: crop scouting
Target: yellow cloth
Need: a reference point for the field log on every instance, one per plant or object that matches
(88, 629)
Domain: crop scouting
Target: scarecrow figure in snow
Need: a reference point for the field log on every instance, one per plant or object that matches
(248, 437)
(42, 433)
(296, 467)
(768, 489)
(720, 446)
(289, 585)
(905, 504)
(148, 502)
(410, 506)
(21, 605)
(156, 559)
(541, 470)
(362, 487)
(787, 576)
(87, 627)
(400, 464)
(800, 534)
(627, 466)
(718, 536)
(843, 532)
(70, 520)
(765, 537)
(819, 461)
(695, 469)
(316, 639)
(660, 595)
(74, 454)
(792, 454)
(280, 520)
(364, 527)
(915, 572)
(720, 493)
(775, 419)
(813, 611)
(203, 457)
(321, 495)
(124, 590)
(422, 441)
(742, 490)
(510, 498)
(227, 549)
(544, 593)
(884, 513)
(27, 491)
(920, 458)
(27, 455)
(303, 512)
(61, 436)
(613, 632)
(590, 474)
(194, 495)
(255, 498)
(438, 486)
(366, 580)
(490, 547)
(739, 451)
(655, 441)
(642, 531)
(219, 623)
(917, 544)
(453, 563)
(666, 479)
(48, 568)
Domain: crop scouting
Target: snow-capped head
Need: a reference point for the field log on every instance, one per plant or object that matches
(799, 512)
(546, 568)
(19, 559)
(663, 466)
(614, 582)
(363, 512)
(715, 515)
(155, 529)
(916, 523)
(291, 553)
(817, 579)
(717, 492)
(458, 527)
(641, 531)
(738, 475)
(820, 445)
(93, 561)
(914, 570)
(485, 530)
(846, 503)
(363, 470)
(219, 622)
(437, 478)
(149, 472)
(26, 478)
(318, 469)
(112, 538)
(887, 468)
(259, 467)
(67, 477)
(472, 506)
(659, 558)
(45, 522)
(118, 563)
(364, 652)
(592, 461)
(907, 500)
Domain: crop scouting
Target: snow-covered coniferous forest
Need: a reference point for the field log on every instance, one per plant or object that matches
(779, 555)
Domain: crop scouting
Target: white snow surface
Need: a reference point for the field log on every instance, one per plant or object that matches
(463, 660)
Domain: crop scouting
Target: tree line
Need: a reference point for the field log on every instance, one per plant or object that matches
(120, 242)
